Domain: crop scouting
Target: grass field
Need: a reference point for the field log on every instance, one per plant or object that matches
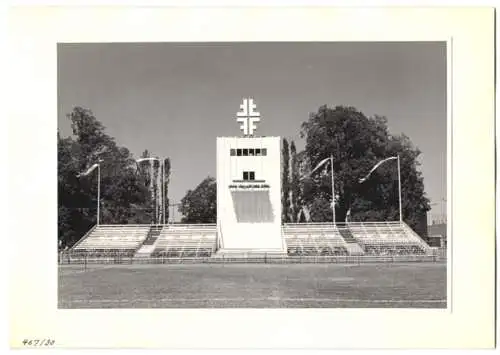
(412, 285)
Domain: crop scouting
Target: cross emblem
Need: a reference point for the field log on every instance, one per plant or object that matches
(247, 116)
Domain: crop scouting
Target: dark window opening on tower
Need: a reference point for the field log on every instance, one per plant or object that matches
(249, 175)
(248, 152)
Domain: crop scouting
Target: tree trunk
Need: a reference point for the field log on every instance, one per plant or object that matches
(341, 210)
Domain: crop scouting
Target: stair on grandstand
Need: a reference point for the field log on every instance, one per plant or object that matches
(112, 239)
(314, 239)
(355, 238)
(149, 244)
(352, 246)
(184, 240)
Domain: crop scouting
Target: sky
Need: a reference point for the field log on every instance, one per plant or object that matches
(174, 99)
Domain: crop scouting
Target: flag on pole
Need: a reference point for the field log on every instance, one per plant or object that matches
(89, 170)
(374, 168)
(321, 163)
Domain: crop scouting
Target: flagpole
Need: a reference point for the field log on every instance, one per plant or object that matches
(333, 190)
(162, 190)
(98, 191)
(399, 183)
(160, 193)
(151, 175)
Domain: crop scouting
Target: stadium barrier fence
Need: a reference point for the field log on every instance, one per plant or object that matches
(68, 259)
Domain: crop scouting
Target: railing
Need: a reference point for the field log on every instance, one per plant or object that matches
(441, 252)
(342, 224)
(148, 226)
(126, 226)
(265, 259)
(190, 226)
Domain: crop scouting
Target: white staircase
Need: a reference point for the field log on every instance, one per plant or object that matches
(149, 245)
(145, 251)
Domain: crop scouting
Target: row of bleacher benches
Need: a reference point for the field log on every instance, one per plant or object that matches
(200, 240)
(181, 240)
(206, 252)
(369, 250)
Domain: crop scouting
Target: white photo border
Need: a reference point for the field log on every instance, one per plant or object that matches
(35, 32)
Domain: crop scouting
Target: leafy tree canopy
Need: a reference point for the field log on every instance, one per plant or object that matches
(200, 205)
(124, 193)
(357, 143)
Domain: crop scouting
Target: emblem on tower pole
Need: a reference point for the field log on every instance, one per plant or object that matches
(248, 117)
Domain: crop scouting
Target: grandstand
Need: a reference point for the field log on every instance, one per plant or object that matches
(301, 239)
(361, 238)
(388, 238)
(112, 239)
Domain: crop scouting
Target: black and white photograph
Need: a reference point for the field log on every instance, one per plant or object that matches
(254, 175)
(251, 177)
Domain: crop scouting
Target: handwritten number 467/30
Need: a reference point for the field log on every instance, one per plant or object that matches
(38, 342)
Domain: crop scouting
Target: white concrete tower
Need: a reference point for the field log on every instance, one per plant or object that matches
(249, 188)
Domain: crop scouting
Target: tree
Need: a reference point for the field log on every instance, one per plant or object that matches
(119, 178)
(74, 215)
(305, 187)
(156, 192)
(295, 201)
(167, 167)
(200, 205)
(124, 196)
(321, 210)
(144, 169)
(151, 173)
(357, 143)
(285, 183)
